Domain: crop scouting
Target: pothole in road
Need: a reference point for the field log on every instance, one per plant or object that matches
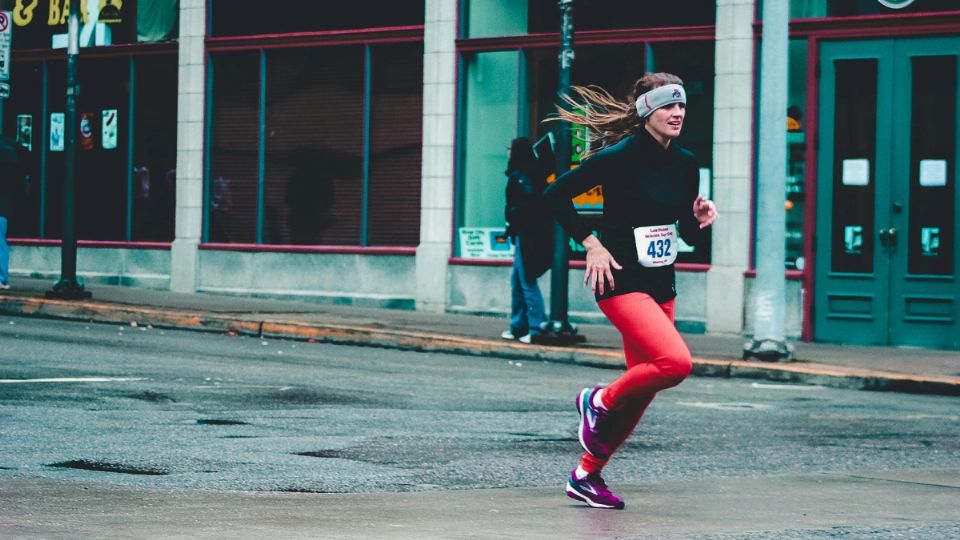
(101, 466)
(152, 397)
(220, 422)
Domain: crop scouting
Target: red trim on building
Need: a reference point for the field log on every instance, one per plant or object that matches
(332, 250)
(397, 34)
(460, 261)
(111, 244)
(130, 49)
(792, 275)
(880, 26)
(588, 37)
(810, 170)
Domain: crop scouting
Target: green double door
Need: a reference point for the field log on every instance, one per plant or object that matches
(886, 247)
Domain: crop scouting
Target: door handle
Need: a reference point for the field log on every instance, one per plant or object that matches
(888, 237)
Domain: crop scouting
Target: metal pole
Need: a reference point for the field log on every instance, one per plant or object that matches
(68, 287)
(561, 331)
(769, 294)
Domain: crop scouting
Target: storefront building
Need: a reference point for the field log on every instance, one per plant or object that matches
(358, 157)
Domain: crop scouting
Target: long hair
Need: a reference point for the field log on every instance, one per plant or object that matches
(608, 119)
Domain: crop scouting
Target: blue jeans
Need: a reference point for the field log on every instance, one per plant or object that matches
(4, 253)
(526, 302)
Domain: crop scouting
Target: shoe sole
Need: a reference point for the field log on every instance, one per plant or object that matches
(574, 494)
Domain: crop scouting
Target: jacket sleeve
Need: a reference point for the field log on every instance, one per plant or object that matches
(690, 229)
(558, 196)
(520, 196)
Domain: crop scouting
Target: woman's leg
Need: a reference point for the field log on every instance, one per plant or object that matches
(662, 359)
(638, 352)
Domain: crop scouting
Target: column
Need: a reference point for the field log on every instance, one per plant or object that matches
(190, 122)
(436, 201)
(732, 139)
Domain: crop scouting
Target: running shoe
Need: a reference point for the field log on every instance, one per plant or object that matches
(592, 420)
(593, 491)
(508, 335)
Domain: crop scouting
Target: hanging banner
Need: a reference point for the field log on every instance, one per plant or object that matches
(25, 131)
(109, 129)
(56, 132)
(86, 131)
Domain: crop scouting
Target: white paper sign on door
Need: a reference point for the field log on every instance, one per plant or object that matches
(856, 172)
(933, 172)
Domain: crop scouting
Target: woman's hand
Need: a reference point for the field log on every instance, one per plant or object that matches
(599, 263)
(705, 211)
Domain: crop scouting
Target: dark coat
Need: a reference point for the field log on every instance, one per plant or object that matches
(529, 219)
(11, 174)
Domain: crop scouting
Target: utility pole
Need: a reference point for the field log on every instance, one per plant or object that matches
(68, 287)
(561, 332)
(769, 292)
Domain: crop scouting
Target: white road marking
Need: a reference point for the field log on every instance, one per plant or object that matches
(729, 406)
(787, 386)
(71, 380)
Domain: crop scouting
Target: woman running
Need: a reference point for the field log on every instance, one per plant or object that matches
(650, 186)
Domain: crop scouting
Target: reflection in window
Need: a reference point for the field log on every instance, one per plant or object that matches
(155, 149)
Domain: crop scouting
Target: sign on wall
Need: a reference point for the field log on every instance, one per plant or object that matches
(485, 243)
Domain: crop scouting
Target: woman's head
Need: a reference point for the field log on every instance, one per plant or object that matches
(610, 119)
(661, 103)
(521, 156)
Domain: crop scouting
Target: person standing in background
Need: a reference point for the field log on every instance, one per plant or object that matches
(11, 180)
(530, 229)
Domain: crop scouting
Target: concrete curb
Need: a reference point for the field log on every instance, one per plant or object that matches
(249, 324)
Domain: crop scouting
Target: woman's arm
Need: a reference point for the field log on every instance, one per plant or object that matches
(560, 193)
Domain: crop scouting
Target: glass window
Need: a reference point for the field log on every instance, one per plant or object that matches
(102, 149)
(396, 139)
(933, 143)
(796, 153)
(518, 88)
(517, 17)
(490, 92)
(23, 116)
(232, 190)
(251, 17)
(42, 24)
(314, 146)
(154, 149)
(341, 155)
(855, 136)
(100, 174)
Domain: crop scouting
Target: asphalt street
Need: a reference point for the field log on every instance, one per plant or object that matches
(435, 445)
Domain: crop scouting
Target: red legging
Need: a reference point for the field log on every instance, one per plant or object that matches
(657, 359)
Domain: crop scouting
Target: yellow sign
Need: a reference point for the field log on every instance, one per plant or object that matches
(110, 11)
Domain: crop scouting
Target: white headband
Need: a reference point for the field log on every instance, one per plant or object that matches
(659, 97)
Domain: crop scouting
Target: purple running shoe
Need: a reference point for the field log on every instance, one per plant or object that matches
(593, 491)
(591, 424)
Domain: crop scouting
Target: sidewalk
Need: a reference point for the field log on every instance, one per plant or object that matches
(868, 368)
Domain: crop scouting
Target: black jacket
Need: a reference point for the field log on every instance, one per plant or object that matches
(643, 184)
(12, 173)
(529, 220)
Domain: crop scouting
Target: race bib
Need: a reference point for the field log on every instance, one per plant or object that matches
(656, 245)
